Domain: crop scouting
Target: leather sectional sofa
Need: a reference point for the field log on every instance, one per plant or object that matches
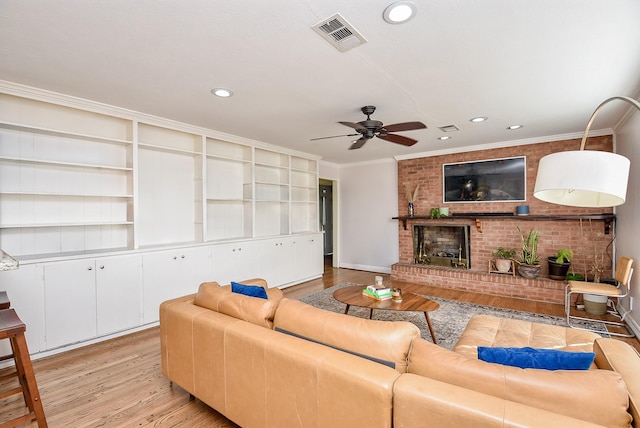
(282, 363)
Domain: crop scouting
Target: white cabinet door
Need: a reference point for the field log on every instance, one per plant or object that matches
(309, 256)
(25, 289)
(119, 293)
(235, 261)
(70, 302)
(170, 274)
(278, 260)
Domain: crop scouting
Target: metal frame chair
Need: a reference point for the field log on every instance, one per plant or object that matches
(622, 276)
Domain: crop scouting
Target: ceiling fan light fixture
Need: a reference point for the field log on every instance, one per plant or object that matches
(444, 137)
(514, 127)
(222, 92)
(400, 12)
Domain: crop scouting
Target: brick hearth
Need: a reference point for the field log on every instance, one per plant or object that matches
(540, 289)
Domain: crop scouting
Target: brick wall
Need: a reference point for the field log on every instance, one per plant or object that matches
(586, 238)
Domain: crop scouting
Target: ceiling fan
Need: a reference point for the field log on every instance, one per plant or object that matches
(368, 129)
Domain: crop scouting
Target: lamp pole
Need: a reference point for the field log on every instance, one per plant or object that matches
(595, 113)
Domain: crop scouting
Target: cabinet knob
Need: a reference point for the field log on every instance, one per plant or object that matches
(234, 250)
(102, 267)
(175, 257)
(89, 268)
(182, 256)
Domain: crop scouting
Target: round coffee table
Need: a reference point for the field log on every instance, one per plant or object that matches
(352, 296)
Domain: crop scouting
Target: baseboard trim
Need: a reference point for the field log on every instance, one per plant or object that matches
(65, 348)
(631, 323)
(378, 269)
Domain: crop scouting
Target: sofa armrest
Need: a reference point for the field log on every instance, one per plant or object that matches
(612, 354)
(600, 396)
(418, 400)
(221, 299)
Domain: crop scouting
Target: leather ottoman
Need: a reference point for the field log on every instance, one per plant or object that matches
(484, 330)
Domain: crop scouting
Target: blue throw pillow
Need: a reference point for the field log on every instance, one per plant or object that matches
(530, 358)
(249, 290)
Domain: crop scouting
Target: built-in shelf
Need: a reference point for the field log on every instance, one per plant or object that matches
(74, 180)
(609, 219)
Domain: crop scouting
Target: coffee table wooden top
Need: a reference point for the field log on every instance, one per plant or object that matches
(352, 296)
(410, 302)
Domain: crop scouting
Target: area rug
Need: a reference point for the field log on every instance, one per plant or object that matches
(448, 322)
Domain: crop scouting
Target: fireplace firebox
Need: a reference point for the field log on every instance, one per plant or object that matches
(442, 245)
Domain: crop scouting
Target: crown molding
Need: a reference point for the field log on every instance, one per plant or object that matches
(505, 144)
(44, 95)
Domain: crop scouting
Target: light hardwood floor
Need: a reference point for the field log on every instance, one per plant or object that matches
(118, 383)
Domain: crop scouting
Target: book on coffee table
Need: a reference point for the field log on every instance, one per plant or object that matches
(373, 292)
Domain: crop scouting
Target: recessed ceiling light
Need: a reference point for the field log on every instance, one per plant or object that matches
(400, 12)
(444, 137)
(512, 127)
(221, 92)
(478, 119)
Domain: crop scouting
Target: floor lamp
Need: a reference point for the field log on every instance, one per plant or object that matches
(584, 178)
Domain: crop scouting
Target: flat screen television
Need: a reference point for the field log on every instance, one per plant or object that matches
(499, 180)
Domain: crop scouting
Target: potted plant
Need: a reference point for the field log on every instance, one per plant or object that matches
(503, 259)
(528, 259)
(559, 264)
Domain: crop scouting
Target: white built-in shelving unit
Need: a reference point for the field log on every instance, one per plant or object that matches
(169, 186)
(304, 195)
(74, 181)
(229, 187)
(66, 180)
(107, 208)
(271, 171)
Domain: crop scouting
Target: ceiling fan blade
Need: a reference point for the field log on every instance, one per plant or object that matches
(334, 136)
(405, 126)
(355, 126)
(358, 144)
(398, 139)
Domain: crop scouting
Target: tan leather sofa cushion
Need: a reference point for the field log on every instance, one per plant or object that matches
(612, 354)
(382, 340)
(259, 377)
(598, 396)
(276, 380)
(255, 310)
(483, 330)
(419, 401)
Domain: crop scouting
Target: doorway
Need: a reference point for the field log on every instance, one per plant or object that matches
(326, 206)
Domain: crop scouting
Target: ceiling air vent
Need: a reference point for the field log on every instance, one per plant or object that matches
(449, 128)
(337, 31)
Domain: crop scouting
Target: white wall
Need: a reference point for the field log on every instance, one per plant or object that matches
(628, 214)
(328, 170)
(368, 198)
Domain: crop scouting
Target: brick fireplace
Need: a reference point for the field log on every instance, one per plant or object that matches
(580, 229)
(441, 245)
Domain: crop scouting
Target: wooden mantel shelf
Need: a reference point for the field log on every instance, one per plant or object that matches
(609, 219)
